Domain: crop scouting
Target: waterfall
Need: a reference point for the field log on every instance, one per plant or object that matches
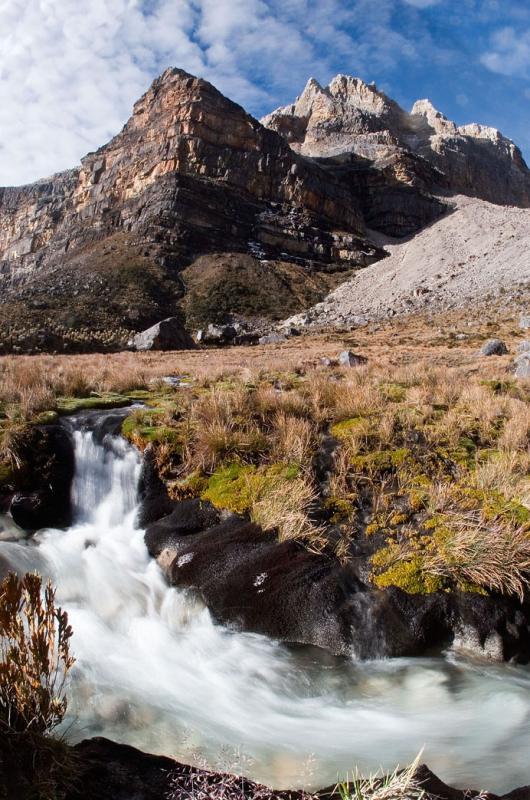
(153, 669)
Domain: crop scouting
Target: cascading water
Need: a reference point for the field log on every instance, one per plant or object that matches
(154, 671)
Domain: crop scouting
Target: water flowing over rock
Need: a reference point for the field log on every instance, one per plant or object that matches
(152, 666)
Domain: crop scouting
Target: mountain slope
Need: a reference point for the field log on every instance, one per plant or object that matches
(476, 253)
(196, 209)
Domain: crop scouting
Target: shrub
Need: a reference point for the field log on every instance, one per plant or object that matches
(35, 655)
(34, 664)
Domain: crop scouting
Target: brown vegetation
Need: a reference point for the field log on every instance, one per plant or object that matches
(394, 455)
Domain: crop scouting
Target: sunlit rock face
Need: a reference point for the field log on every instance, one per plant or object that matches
(350, 116)
(191, 173)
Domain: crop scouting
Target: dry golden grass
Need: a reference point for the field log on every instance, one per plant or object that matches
(426, 413)
(285, 509)
(483, 553)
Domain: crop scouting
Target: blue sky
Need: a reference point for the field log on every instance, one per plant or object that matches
(70, 71)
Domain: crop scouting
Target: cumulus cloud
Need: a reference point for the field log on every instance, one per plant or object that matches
(509, 53)
(70, 71)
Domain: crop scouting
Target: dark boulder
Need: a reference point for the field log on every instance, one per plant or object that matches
(168, 334)
(111, 771)
(43, 483)
(155, 501)
(250, 580)
(187, 517)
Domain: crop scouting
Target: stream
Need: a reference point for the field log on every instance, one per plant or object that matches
(154, 671)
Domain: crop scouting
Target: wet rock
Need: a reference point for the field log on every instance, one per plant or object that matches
(252, 582)
(43, 482)
(152, 491)
(168, 334)
(187, 517)
(112, 771)
(493, 347)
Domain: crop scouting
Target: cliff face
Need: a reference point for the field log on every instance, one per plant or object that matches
(93, 254)
(351, 117)
(102, 246)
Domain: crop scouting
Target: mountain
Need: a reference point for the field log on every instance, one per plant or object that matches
(197, 209)
(350, 119)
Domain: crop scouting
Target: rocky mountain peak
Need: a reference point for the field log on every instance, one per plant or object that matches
(437, 121)
(352, 117)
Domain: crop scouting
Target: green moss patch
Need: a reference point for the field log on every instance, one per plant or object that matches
(141, 428)
(237, 486)
(69, 405)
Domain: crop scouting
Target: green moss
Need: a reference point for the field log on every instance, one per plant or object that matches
(345, 428)
(407, 575)
(393, 391)
(231, 488)
(193, 485)
(508, 387)
(340, 509)
(382, 460)
(69, 405)
(141, 428)
(237, 486)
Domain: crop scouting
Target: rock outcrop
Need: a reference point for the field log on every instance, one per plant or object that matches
(252, 582)
(112, 771)
(195, 201)
(169, 334)
(351, 119)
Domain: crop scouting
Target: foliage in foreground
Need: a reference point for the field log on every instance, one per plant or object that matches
(35, 661)
(397, 785)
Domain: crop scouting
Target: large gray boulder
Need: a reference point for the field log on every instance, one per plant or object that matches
(522, 365)
(168, 334)
(494, 347)
(349, 359)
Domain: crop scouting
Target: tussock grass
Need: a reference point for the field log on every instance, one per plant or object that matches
(422, 430)
(483, 553)
(286, 509)
(397, 785)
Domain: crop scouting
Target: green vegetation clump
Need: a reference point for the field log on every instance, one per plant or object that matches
(237, 487)
(69, 405)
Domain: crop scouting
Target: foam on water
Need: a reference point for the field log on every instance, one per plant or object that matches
(153, 670)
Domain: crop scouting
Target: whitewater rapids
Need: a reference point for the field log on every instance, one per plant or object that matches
(154, 671)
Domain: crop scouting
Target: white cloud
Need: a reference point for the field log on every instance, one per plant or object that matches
(70, 71)
(422, 3)
(509, 53)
